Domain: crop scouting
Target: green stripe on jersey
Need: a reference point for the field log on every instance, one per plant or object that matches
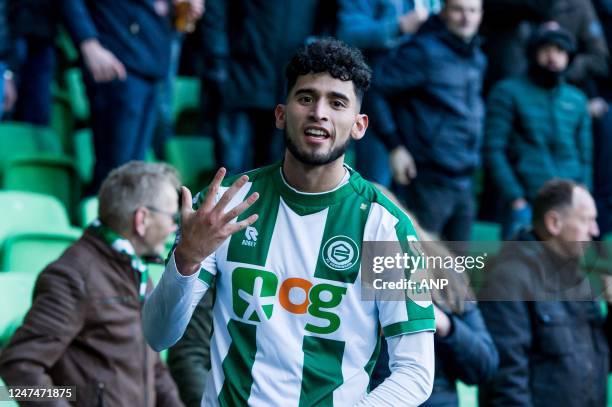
(238, 364)
(369, 367)
(322, 371)
(252, 245)
(206, 277)
(407, 327)
(340, 252)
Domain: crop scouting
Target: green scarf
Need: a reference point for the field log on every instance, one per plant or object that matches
(124, 246)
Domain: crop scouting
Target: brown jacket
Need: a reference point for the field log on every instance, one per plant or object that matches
(84, 330)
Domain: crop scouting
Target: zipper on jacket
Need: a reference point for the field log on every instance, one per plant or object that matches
(100, 394)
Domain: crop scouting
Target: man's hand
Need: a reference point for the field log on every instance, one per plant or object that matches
(197, 10)
(598, 107)
(204, 230)
(10, 92)
(443, 322)
(101, 63)
(410, 22)
(518, 204)
(402, 165)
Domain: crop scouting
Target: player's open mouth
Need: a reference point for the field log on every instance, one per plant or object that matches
(316, 134)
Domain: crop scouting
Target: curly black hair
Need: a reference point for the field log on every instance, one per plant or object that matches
(334, 57)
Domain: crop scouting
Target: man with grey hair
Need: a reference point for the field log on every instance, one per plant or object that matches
(84, 327)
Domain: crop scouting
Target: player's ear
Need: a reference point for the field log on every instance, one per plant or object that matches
(360, 126)
(279, 113)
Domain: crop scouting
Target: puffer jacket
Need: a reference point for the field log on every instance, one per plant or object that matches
(534, 134)
(435, 81)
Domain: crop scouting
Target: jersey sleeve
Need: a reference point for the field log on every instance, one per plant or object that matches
(414, 312)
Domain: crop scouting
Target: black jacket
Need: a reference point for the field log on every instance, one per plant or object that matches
(36, 18)
(6, 36)
(553, 352)
(436, 82)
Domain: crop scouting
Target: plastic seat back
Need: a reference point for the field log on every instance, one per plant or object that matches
(15, 301)
(193, 157)
(32, 251)
(53, 176)
(31, 212)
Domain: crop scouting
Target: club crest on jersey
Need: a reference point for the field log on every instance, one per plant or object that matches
(340, 253)
(250, 236)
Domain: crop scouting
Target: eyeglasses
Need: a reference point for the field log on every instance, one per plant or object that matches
(175, 216)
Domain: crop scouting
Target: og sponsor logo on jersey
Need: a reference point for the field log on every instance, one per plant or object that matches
(254, 294)
(340, 253)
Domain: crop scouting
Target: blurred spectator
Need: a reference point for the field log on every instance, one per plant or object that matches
(537, 128)
(377, 27)
(436, 80)
(84, 327)
(164, 127)
(548, 330)
(125, 47)
(247, 46)
(602, 129)
(508, 25)
(36, 23)
(8, 91)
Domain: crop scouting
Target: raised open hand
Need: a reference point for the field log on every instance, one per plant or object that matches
(204, 230)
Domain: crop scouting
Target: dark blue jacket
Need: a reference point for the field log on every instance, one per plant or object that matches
(551, 353)
(372, 26)
(6, 36)
(130, 29)
(436, 81)
(248, 43)
(467, 354)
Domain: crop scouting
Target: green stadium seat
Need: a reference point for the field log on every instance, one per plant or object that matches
(186, 105)
(62, 119)
(22, 139)
(84, 154)
(88, 211)
(186, 95)
(66, 47)
(55, 176)
(77, 93)
(15, 300)
(468, 395)
(30, 212)
(7, 403)
(486, 238)
(486, 232)
(17, 249)
(193, 157)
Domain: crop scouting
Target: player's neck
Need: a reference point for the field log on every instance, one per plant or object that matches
(312, 179)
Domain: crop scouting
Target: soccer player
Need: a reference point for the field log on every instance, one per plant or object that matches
(283, 244)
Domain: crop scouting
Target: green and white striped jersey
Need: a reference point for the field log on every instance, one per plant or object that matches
(289, 323)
